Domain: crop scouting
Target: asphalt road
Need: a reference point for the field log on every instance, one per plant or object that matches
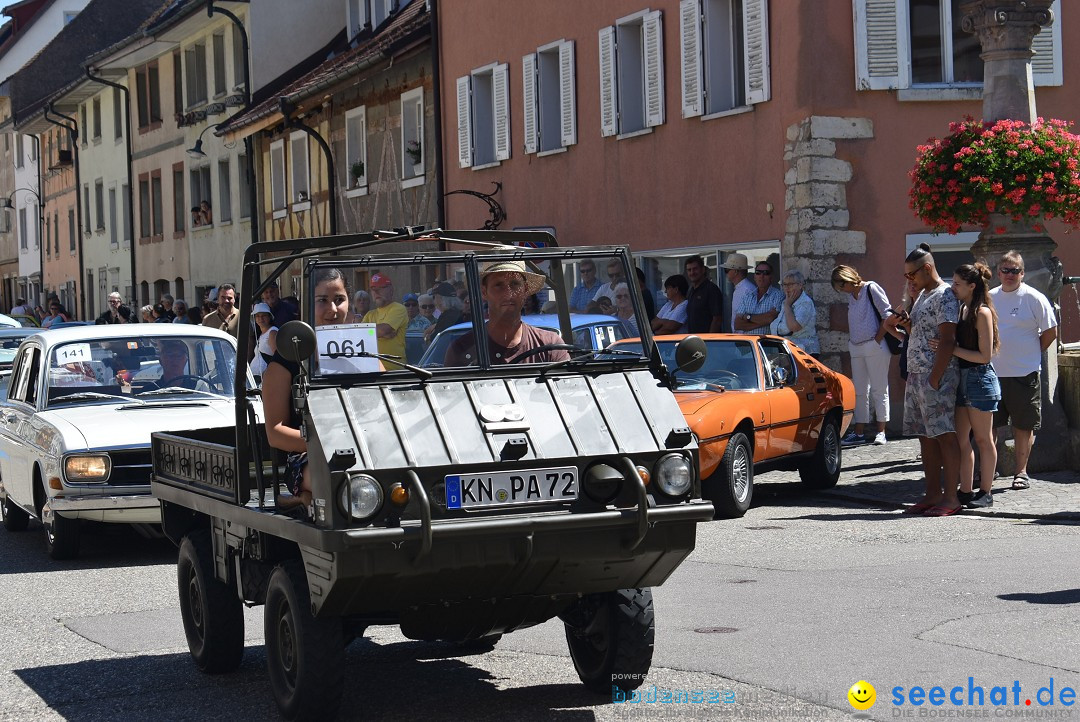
(781, 611)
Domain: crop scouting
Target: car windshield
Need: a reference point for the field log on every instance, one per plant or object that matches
(454, 310)
(9, 344)
(121, 368)
(730, 364)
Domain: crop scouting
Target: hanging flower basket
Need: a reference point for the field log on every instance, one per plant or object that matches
(1025, 173)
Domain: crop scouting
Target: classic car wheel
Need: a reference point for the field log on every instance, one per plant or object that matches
(62, 537)
(823, 469)
(610, 637)
(15, 519)
(304, 655)
(213, 615)
(731, 486)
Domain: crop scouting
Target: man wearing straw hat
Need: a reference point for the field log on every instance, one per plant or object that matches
(504, 286)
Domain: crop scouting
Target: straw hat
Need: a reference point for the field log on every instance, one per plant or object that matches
(736, 261)
(533, 281)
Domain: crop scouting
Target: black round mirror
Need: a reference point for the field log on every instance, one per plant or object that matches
(296, 341)
(689, 353)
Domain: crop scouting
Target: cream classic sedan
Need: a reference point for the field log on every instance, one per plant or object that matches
(76, 419)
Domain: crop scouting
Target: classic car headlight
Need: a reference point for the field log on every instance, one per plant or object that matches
(87, 468)
(361, 496)
(673, 475)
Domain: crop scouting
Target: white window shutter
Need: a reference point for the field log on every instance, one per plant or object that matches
(652, 33)
(609, 124)
(500, 91)
(690, 43)
(756, 50)
(528, 78)
(464, 122)
(1046, 65)
(567, 94)
(879, 43)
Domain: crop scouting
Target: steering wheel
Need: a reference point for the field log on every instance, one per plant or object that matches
(178, 381)
(730, 375)
(543, 348)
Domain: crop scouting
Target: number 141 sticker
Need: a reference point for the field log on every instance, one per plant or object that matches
(73, 353)
(341, 345)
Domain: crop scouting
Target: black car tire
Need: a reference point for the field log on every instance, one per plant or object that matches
(62, 537)
(305, 655)
(212, 612)
(731, 486)
(822, 471)
(610, 637)
(15, 519)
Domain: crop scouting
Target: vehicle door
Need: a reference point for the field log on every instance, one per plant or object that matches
(787, 430)
(16, 418)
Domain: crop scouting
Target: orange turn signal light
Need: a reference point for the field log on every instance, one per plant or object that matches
(54, 483)
(399, 495)
(643, 473)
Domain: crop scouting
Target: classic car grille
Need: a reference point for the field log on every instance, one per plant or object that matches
(130, 467)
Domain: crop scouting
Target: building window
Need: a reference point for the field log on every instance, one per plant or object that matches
(157, 203)
(195, 70)
(356, 169)
(20, 160)
(144, 206)
(224, 209)
(118, 114)
(369, 13)
(24, 242)
(148, 95)
(87, 220)
(99, 204)
(95, 118)
(239, 59)
(917, 46)
(56, 233)
(632, 74)
(48, 238)
(245, 195)
(298, 158)
(178, 83)
(180, 210)
(725, 55)
(83, 124)
(71, 231)
(219, 64)
(277, 178)
(113, 234)
(125, 204)
(200, 193)
(550, 119)
(483, 116)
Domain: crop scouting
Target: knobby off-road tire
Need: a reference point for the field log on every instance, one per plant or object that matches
(731, 486)
(305, 656)
(212, 612)
(610, 637)
(15, 519)
(62, 537)
(822, 471)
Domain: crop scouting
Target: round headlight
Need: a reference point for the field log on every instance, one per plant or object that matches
(361, 496)
(673, 475)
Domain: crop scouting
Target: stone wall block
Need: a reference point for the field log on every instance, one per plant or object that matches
(822, 126)
(815, 147)
(821, 195)
(844, 242)
(831, 170)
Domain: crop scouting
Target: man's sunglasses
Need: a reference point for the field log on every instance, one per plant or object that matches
(1011, 271)
(762, 273)
(911, 276)
(427, 305)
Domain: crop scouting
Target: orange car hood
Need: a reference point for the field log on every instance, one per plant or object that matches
(694, 402)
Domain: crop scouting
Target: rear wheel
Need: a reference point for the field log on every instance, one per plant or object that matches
(731, 486)
(304, 655)
(213, 615)
(823, 469)
(15, 519)
(61, 536)
(610, 637)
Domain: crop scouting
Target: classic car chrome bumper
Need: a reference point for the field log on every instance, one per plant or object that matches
(127, 509)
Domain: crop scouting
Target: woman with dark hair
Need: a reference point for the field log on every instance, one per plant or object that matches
(160, 314)
(282, 421)
(979, 391)
(672, 317)
(57, 314)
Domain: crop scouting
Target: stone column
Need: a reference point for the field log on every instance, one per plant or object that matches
(1005, 29)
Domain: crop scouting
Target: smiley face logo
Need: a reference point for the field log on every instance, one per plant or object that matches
(862, 695)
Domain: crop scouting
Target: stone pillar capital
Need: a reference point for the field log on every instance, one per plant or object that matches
(1005, 26)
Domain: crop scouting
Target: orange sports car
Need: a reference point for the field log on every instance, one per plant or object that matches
(759, 401)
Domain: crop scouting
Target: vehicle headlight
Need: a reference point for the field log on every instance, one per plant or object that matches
(361, 496)
(673, 475)
(87, 468)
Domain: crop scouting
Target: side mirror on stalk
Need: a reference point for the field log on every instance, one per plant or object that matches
(296, 341)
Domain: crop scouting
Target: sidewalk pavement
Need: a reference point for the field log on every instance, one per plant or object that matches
(892, 475)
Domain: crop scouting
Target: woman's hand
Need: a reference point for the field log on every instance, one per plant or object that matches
(933, 343)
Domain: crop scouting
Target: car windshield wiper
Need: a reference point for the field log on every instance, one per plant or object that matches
(396, 360)
(581, 355)
(708, 385)
(179, 390)
(88, 396)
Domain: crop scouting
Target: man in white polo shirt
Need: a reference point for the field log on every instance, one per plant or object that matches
(1026, 327)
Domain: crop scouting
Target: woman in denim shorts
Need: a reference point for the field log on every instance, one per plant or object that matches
(978, 393)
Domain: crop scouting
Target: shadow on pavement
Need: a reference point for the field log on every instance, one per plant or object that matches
(101, 546)
(1062, 596)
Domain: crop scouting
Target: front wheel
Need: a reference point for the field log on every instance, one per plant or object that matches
(610, 637)
(15, 519)
(823, 469)
(213, 615)
(731, 486)
(304, 655)
(62, 537)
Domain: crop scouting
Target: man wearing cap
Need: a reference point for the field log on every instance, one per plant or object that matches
(389, 316)
(282, 310)
(417, 322)
(226, 316)
(504, 286)
(704, 300)
(737, 267)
